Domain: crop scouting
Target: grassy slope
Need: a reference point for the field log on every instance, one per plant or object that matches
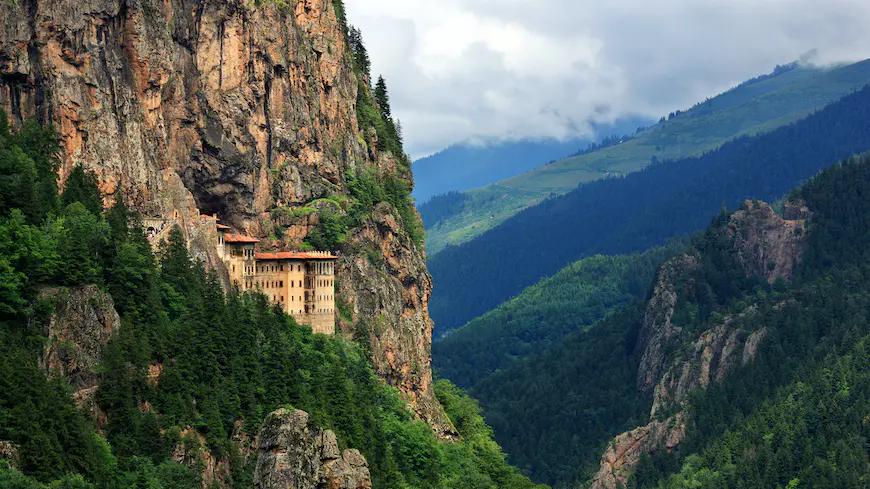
(751, 108)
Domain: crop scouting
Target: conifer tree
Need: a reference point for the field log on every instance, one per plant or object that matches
(362, 63)
(382, 97)
(81, 186)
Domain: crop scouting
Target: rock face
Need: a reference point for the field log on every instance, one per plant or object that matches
(83, 320)
(228, 107)
(766, 244)
(294, 455)
(657, 331)
(710, 358)
(673, 364)
(9, 453)
(625, 451)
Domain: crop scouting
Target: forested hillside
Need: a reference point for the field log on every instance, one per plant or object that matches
(787, 412)
(187, 373)
(643, 209)
(789, 93)
(465, 166)
(578, 296)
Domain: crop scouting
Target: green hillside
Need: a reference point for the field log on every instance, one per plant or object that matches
(757, 106)
(223, 361)
(542, 315)
(795, 416)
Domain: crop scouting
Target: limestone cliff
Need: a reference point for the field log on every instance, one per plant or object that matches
(293, 454)
(229, 107)
(673, 363)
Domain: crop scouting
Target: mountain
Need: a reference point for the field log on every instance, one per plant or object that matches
(261, 115)
(573, 299)
(788, 94)
(467, 165)
(745, 366)
(640, 210)
(125, 366)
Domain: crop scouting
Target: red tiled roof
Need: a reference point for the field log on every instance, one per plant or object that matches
(221, 226)
(238, 238)
(295, 255)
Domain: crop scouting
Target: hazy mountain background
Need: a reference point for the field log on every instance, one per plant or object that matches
(470, 165)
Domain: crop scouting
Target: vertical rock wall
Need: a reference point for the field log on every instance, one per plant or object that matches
(225, 107)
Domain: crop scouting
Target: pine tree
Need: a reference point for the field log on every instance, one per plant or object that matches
(362, 63)
(82, 186)
(382, 97)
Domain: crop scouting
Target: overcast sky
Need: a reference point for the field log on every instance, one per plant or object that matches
(495, 69)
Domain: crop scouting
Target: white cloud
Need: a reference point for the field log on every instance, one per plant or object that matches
(500, 69)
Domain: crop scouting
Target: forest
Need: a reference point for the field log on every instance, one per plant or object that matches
(227, 359)
(640, 210)
(577, 297)
(790, 418)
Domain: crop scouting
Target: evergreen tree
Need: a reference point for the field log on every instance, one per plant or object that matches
(382, 98)
(362, 63)
(82, 186)
(82, 245)
(42, 145)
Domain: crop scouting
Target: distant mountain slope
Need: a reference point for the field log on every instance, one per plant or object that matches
(745, 368)
(573, 299)
(762, 104)
(627, 214)
(465, 166)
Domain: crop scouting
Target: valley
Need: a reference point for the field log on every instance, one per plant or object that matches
(221, 269)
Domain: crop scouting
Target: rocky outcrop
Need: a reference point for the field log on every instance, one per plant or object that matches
(708, 359)
(765, 244)
(674, 363)
(82, 321)
(658, 333)
(227, 107)
(625, 451)
(9, 453)
(292, 454)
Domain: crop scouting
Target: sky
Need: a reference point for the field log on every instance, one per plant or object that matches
(489, 70)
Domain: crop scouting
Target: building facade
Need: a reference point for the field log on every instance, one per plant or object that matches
(302, 283)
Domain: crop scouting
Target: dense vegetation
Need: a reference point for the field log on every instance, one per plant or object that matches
(793, 416)
(441, 207)
(225, 360)
(796, 417)
(554, 412)
(573, 299)
(786, 95)
(643, 209)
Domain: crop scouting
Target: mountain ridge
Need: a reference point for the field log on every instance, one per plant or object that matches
(641, 209)
(758, 107)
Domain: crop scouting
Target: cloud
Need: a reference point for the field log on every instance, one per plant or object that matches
(511, 69)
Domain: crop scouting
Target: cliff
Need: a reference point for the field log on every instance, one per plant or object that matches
(678, 359)
(292, 453)
(82, 321)
(243, 109)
